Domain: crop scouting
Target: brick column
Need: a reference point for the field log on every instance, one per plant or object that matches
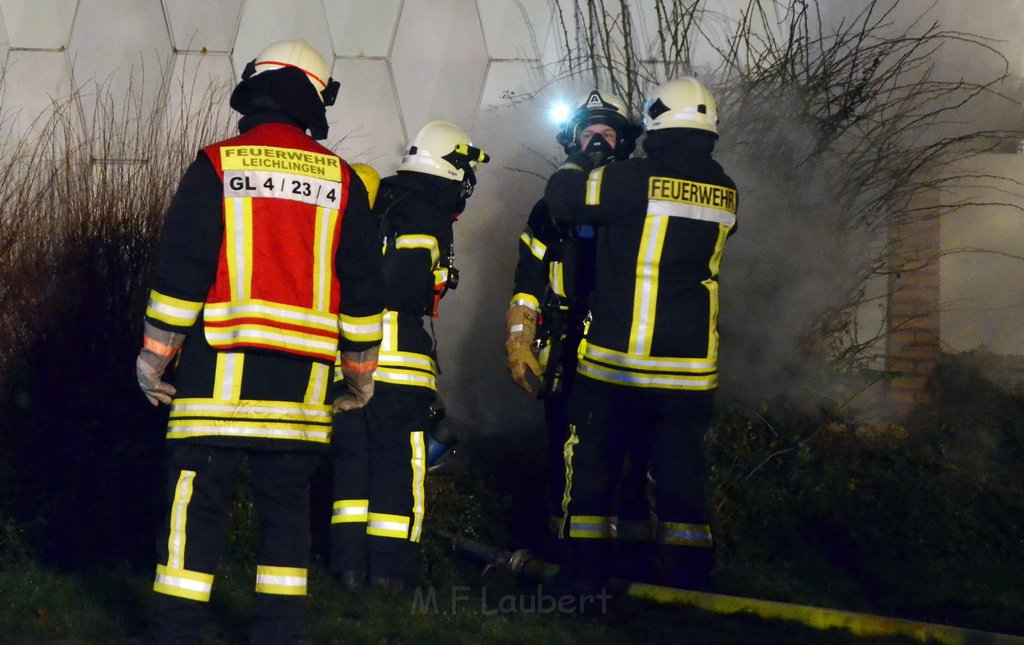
(912, 343)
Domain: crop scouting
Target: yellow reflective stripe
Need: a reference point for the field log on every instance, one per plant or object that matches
(419, 470)
(271, 337)
(681, 533)
(405, 377)
(323, 258)
(350, 511)
(410, 360)
(712, 287)
(526, 300)
(691, 211)
(179, 519)
(645, 289)
(227, 380)
(568, 452)
(173, 311)
(592, 527)
(639, 379)
(557, 279)
(191, 428)
(181, 583)
(316, 390)
(428, 242)
(389, 340)
(593, 196)
(569, 165)
(369, 329)
(648, 363)
(238, 244)
(281, 581)
(251, 409)
(220, 312)
(536, 247)
(384, 525)
(440, 276)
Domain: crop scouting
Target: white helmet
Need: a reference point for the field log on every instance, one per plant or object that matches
(297, 54)
(441, 148)
(681, 103)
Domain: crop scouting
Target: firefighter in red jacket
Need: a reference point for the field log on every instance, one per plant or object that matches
(268, 265)
(553, 281)
(381, 450)
(648, 366)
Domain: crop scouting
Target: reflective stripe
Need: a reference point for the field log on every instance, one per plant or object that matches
(251, 419)
(680, 533)
(407, 360)
(645, 288)
(182, 583)
(593, 195)
(592, 527)
(526, 300)
(272, 338)
(556, 278)
(179, 519)
(350, 511)
(428, 242)
(568, 452)
(638, 379)
(226, 312)
(405, 377)
(419, 470)
(691, 211)
(269, 430)
(536, 247)
(316, 390)
(383, 525)
(227, 379)
(368, 329)
(323, 258)
(281, 581)
(251, 409)
(649, 363)
(173, 311)
(238, 245)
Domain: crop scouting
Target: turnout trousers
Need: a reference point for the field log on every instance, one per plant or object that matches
(379, 469)
(201, 485)
(606, 424)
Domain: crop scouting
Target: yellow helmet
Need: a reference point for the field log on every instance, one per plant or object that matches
(442, 149)
(681, 103)
(297, 54)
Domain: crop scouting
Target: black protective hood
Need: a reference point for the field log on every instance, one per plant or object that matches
(285, 91)
(678, 146)
(445, 193)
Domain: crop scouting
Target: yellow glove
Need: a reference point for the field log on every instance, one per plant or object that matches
(357, 369)
(521, 326)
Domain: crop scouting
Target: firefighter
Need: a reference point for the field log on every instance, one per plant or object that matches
(648, 366)
(553, 281)
(380, 452)
(268, 264)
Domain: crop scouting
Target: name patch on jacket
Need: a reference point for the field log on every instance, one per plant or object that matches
(668, 189)
(282, 173)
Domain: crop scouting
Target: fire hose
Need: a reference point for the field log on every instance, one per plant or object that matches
(522, 564)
